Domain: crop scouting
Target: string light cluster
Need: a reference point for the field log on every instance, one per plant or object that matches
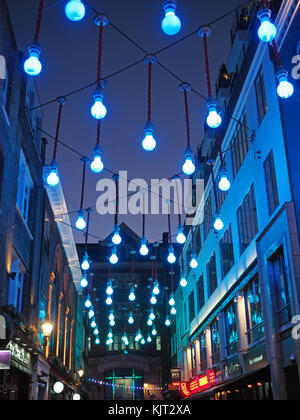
(109, 384)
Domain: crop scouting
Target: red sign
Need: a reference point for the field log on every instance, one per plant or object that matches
(199, 384)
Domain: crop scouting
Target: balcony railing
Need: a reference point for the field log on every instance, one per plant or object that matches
(233, 348)
(216, 358)
(256, 333)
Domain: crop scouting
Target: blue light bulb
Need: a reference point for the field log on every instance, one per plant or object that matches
(144, 250)
(285, 89)
(116, 239)
(149, 142)
(194, 262)
(93, 324)
(153, 300)
(85, 263)
(109, 290)
(98, 110)
(84, 283)
(150, 322)
(80, 222)
(97, 165)
(181, 238)
(171, 256)
(109, 301)
(53, 177)
(114, 258)
(218, 223)
(224, 183)
(131, 319)
(97, 341)
(172, 300)
(149, 339)
(88, 303)
(188, 167)
(214, 118)
(168, 322)
(91, 314)
(32, 65)
(156, 290)
(132, 296)
(267, 31)
(75, 10)
(183, 282)
(171, 24)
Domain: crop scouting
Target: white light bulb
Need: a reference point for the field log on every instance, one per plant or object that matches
(149, 142)
(85, 263)
(188, 167)
(130, 320)
(267, 31)
(32, 65)
(109, 290)
(80, 222)
(91, 314)
(98, 110)
(132, 296)
(109, 301)
(88, 303)
(144, 250)
(84, 283)
(214, 119)
(149, 339)
(153, 300)
(93, 324)
(172, 301)
(152, 316)
(183, 282)
(285, 89)
(97, 341)
(97, 165)
(114, 258)
(173, 311)
(112, 323)
(156, 290)
(149, 322)
(168, 322)
(194, 263)
(116, 239)
(53, 178)
(218, 224)
(154, 332)
(171, 258)
(224, 183)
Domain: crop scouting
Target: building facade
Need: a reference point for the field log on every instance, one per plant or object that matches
(234, 330)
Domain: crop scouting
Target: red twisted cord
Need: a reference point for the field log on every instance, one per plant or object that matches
(149, 90)
(132, 269)
(172, 281)
(187, 117)
(100, 48)
(144, 217)
(117, 201)
(207, 66)
(87, 231)
(277, 55)
(178, 201)
(220, 147)
(39, 21)
(156, 262)
(57, 130)
(214, 186)
(193, 241)
(83, 184)
(169, 225)
(98, 132)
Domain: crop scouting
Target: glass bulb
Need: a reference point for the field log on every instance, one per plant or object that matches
(173, 311)
(75, 10)
(97, 165)
(85, 263)
(171, 23)
(214, 119)
(131, 320)
(183, 282)
(80, 222)
(154, 332)
(143, 342)
(188, 167)
(112, 323)
(110, 334)
(84, 283)
(168, 322)
(98, 110)
(149, 142)
(91, 314)
(88, 303)
(97, 341)
(111, 316)
(218, 224)
(152, 316)
(132, 296)
(109, 290)
(150, 322)
(93, 324)
(149, 339)
(109, 301)
(181, 238)
(194, 262)
(285, 89)
(267, 31)
(153, 300)
(172, 301)
(224, 183)
(53, 178)
(156, 290)
(116, 239)
(171, 256)
(144, 250)
(32, 65)
(114, 258)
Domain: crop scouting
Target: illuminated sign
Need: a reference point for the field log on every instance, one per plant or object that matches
(185, 389)
(199, 384)
(5, 359)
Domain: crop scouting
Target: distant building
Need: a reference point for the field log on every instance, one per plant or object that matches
(233, 337)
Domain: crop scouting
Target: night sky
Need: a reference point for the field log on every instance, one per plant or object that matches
(70, 62)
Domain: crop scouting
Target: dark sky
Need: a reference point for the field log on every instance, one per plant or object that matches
(70, 59)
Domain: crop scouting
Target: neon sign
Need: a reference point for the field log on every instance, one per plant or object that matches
(199, 384)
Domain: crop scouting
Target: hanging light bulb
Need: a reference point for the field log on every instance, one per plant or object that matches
(98, 110)
(183, 282)
(172, 300)
(168, 322)
(285, 89)
(109, 289)
(171, 23)
(97, 341)
(111, 316)
(139, 335)
(173, 311)
(156, 290)
(267, 31)
(96, 332)
(80, 222)
(97, 165)
(224, 183)
(53, 178)
(109, 301)
(214, 118)
(93, 324)
(114, 257)
(181, 238)
(32, 65)
(75, 10)
(218, 224)
(131, 319)
(171, 256)
(194, 262)
(132, 296)
(149, 142)
(149, 322)
(144, 250)
(91, 314)
(85, 263)
(149, 339)
(124, 338)
(153, 300)
(110, 334)
(143, 342)
(88, 302)
(116, 239)
(112, 323)
(137, 338)
(84, 283)
(188, 167)
(154, 332)
(152, 315)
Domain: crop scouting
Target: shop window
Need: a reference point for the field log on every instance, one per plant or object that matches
(226, 252)
(261, 100)
(240, 145)
(212, 279)
(279, 282)
(203, 352)
(25, 185)
(254, 314)
(215, 343)
(271, 183)
(247, 220)
(231, 324)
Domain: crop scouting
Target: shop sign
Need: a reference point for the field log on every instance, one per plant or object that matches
(5, 356)
(232, 368)
(199, 384)
(176, 375)
(256, 358)
(19, 354)
(174, 386)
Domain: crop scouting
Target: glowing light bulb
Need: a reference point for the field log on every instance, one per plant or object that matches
(224, 183)
(75, 10)
(132, 296)
(152, 315)
(116, 239)
(108, 342)
(111, 316)
(85, 263)
(188, 167)
(32, 65)
(144, 250)
(93, 324)
(156, 290)
(143, 342)
(53, 178)
(154, 332)
(149, 142)
(88, 303)
(91, 314)
(194, 262)
(109, 289)
(97, 341)
(267, 31)
(168, 322)
(96, 332)
(84, 283)
(172, 300)
(218, 224)
(131, 319)
(153, 300)
(97, 165)
(173, 311)
(214, 118)
(114, 258)
(183, 282)
(171, 256)
(149, 339)
(80, 222)
(110, 334)
(285, 89)
(98, 110)
(112, 323)
(149, 322)
(109, 301)
(181, 238)
(171, 23)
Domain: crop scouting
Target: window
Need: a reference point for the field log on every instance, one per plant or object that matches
(207, 217)
(192, 306)
(203, 352)
(194, 360)
(211, 270)
(279, 282)
(261, 99)
(6, 96)
(158, 343)
(25, 186)
(232, 336)
(185, 316)
(247, 220)
(16, 284)
(215, 342)
(198, 240)
(200, 293)
(240, 145)
(226, 252)
(254, 314)
(271, 182)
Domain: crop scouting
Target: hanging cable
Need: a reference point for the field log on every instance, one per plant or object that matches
(149, 143)
(32, 65)
(218, 223)
(80, 222)
(285, 89)
(188, 167)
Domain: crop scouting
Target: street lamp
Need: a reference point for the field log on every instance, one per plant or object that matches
(47, 328)
(80, 373)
